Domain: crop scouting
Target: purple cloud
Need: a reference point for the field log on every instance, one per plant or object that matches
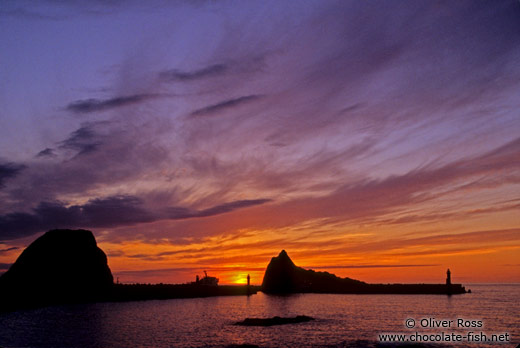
(227, 104)
(101, 212)
(95, 105)
(177, 75)
(9, 170)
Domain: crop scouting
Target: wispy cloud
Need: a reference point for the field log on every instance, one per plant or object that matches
(83, 140)
(185, 213)
(228, 104)
(436, 243)
(177, 75)
(21, 12)
(454, 214)
(365, 200)
(95, 105)
(372, 198)
(9, 170)
(8, 249)
(47, 152)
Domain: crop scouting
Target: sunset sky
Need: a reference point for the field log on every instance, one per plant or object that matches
(378, 140)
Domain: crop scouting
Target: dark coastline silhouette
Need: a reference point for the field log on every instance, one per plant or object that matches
(67, 266)
(282, 276)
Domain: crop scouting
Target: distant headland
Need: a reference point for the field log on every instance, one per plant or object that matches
(66, 266)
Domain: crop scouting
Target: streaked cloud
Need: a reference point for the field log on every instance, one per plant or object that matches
(227, 104)
(83, 140)
(8, 249)
(177, 75)
(97, 105)
(184, 213)
(47, 152)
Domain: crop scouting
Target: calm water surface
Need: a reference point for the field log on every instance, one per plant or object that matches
(341, 320)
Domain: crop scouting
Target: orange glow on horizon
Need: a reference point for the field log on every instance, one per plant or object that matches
(373, 252)
(476, 250)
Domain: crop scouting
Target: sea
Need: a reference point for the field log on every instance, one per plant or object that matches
(339, 321)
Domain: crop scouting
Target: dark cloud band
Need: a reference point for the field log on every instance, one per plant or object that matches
(178, 213)
(177, 75)
(107, 212)
(228, 104)
(48, 152)
(83, 140)
(9, 170)
(93, 105)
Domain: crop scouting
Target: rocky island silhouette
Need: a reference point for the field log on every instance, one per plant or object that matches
(282, 276)
(66, 266)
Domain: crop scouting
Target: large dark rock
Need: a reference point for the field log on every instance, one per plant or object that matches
(283, 276)
(62, 266)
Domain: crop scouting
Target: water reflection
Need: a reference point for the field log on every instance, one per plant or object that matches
(281, 305)
(350, 320)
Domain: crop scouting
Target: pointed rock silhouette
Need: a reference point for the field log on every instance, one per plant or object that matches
(283, 276)
(280, 276)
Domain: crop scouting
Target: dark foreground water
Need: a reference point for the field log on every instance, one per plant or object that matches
(341, 320)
